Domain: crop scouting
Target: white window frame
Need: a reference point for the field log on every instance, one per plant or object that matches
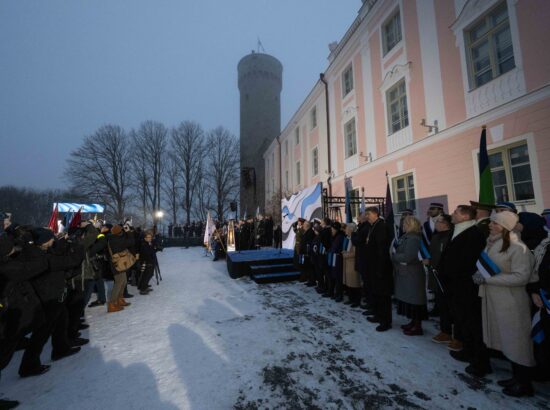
(348, 153)
(345, 91)
(489, 36)
(402, 119)
(385, 48)
(315, 161)
(405, 176)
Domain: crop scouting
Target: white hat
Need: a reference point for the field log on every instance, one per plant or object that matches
(507, 219)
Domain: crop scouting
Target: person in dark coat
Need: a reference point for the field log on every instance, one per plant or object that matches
(268, 231)
(50, 287)
(325, 238)
(148, 259)
(305, 255)
(428, 228)
(98, 255)
(336, 262)
(118, 241)
(458, 264)
(359, 240)
(380, 267)
(278, 237)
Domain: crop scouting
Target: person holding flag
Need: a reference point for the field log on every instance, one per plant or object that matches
(410, 289)
(504, 269)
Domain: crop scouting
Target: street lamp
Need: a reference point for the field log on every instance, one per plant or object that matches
(159, 214)
(158, 217)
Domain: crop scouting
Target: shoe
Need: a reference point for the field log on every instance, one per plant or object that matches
(96, 303)
(519, 390)
(507, 382)
(319, 290)
(123, 303)
(442, 337)
(414, 331)
(373, 319)
(112, 307)
(8, 404)
(74, 335)
(366, 306)
(354, 305)
(79, 341)
(58, 356)
(478, 371)
(143, 292)
(408, 326)
(43, 368)
(382, 328)
(460, 355)
(338, 299)
(128, 296)
(368, 312)
(347, 302)
(83, 326)
(327, 295)
(310, 284)
(455, 345)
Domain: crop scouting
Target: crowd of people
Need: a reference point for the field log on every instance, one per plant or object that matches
(188, 230)
(487, 267)
(47, 281)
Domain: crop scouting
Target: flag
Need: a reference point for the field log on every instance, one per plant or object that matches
(423, 252)
(486, 191)
(347, 244)
(348, 188)
(77, 218)
(363, 205)
(537, 330)
(388, 214)
(210, 228)
(486, 266)
(53, 220)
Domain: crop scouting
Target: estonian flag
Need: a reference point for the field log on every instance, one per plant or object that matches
(537, 331)
(393, 246)
(486, 190)
(423, 252)
(347, 244)
(486, 266)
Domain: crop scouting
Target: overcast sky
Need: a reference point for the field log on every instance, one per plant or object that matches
(68, 67)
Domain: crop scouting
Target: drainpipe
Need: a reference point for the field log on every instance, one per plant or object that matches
(329, 179)
(280, 167)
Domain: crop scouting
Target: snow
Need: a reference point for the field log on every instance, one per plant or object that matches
(202, 340)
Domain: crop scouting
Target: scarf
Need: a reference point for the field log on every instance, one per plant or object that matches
(461, 227)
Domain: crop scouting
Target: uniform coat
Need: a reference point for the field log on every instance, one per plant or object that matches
(410, 279)
(336, 249)
(379, 265)
(505, 303)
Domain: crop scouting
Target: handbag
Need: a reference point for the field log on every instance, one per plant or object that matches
(122, 261)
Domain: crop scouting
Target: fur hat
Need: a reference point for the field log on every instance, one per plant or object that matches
(116, 230)
(507, 219)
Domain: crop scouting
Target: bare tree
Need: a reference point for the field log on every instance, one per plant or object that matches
(189, 149)
(140, 177)
(99, 169)
(223, 168)
(203, 202)
(171, 186)
(149, 145)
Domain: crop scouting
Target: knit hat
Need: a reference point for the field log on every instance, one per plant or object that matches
(42, 235)
(116, 230)
(507, 219)
(6, 245)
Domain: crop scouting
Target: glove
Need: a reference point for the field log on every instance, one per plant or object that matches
(478, 278)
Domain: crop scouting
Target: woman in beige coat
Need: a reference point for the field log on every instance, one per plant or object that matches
(352, 281)
(505, 302)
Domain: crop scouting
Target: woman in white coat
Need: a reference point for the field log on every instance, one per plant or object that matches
(506, 304)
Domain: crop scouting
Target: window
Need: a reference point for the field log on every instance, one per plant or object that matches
(298, 176)
(286, 180)
(347, 81)
(315, 161)
(313, 117)
(398, 115)
(286, 148)
(297, 135)
(355, 205)
(511, 170)
(391, 33)
(403, 192)
(489, 47)
(350, 138)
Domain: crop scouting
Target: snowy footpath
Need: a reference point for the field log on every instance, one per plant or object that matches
(202, 340)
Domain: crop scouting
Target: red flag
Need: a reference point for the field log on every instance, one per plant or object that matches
(77, 218)
(53, 220)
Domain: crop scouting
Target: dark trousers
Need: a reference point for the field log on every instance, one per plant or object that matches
(55, 325)
(382, 308)
(467, 311)
(146, 276)
(354, 295)
(75, 309)
(368, 286)
(99, 286)
(443, 303)
(522, 373)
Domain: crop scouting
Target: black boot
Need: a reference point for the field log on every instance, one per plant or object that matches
(37, 371)
(519, 390)
(8, 404)
(60, 355)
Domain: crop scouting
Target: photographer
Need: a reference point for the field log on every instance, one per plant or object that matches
(98, 259)
(148, 258)
(118, 244)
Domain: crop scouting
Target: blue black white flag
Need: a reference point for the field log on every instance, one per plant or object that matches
(537, 330)
(423, 252)
(486, 266)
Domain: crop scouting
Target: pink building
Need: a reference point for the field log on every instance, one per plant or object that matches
(454, 65)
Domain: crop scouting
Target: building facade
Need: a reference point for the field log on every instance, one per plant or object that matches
(409, 87)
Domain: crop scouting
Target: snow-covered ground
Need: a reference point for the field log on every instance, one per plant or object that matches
(202, 340)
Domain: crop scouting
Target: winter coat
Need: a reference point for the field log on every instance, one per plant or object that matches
(438, 244)
(305, 247)
(505, 303)
(337, 268)
(119, 243)
(410, 278)
(359, 240)
(351, 276)
(458, 263)
(379, 266)
(148, 253)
